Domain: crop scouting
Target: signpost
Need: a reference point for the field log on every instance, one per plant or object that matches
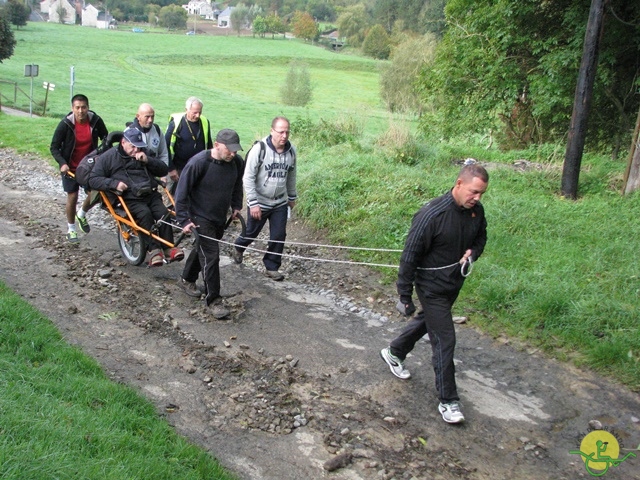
(48, 87)
(72, 81)
(31, 71)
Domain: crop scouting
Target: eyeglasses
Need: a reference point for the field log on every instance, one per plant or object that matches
(283, 132)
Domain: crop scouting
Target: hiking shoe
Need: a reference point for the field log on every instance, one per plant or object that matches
(190, 288)
(237, 255)
(156, 258)
(395, 364)
(72, 237)
(451, 412)
(83, 223)
(274, 275)
(174, 254)
(218, 310)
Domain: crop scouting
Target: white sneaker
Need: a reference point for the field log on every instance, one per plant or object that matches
(395, 364)
(451, 412)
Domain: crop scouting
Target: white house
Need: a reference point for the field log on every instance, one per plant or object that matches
(44, 6)
(105, 21)
(90, 16)
(201, 8)
(64, 7)
(224, 19)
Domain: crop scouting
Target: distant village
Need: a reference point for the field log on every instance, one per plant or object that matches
(85, 14)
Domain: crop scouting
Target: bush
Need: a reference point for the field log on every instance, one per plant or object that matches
(377, 43)
(297, 91)
(324, 133)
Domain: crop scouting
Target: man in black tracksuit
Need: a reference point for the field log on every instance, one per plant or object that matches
(445, 235)
(210, 183)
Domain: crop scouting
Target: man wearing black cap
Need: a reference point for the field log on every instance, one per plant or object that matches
(129, 171)
(210, 183)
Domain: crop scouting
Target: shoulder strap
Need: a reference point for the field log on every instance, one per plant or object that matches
(262, 152)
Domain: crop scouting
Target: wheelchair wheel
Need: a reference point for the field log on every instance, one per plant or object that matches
(132, 245)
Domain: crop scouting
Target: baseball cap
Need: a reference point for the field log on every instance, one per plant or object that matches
(229, 138)
(135, 137)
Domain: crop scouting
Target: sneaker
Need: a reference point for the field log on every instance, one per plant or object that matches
(218, 310)
(451, 412)
(395, 364)
(237, 255)
(156, 258)
(190, 288)
(274, 275)
(83, 223)
(72, 237)
(174, 254)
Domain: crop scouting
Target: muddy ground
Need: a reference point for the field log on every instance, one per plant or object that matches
(293, 379)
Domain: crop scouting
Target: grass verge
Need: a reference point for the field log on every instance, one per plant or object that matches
(61, 417)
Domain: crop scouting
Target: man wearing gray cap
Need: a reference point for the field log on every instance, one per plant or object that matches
(210, 183)
(128, 170)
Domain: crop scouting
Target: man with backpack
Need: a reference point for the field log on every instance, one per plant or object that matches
(270, 186)
(76, 136)
(210, 183)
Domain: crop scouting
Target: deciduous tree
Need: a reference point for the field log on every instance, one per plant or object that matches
(399, 79)
(173, 17)
(7, 40)
(304, 26)
(17, 12)
(512, 65)
(239, 17)
(377, 44)
(353, 23)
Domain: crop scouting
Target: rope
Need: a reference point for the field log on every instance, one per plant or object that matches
(465, 268)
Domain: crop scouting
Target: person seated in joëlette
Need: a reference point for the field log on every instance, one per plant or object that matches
(129, 172)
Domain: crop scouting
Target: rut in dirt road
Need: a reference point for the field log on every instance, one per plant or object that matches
(294, 379)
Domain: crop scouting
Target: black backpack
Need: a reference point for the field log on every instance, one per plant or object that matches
(84, 168)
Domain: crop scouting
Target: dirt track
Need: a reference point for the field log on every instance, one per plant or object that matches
(300, 380)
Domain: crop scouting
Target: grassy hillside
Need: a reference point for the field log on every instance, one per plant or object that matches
(238, 79)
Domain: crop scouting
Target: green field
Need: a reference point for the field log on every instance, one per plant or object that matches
(238, 79)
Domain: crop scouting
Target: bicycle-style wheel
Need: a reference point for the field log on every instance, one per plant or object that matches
(132, 245)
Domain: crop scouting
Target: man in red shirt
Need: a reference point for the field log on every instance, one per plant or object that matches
(76, 136)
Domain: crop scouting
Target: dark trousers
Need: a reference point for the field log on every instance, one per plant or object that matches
(146, 211)
(434, 319)
(277, 235)
(206, 258)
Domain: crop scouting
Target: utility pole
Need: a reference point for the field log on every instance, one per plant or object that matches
(582, 101)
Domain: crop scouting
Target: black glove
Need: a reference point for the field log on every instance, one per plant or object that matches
(405, 306)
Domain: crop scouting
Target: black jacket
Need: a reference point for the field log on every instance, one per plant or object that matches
(114, 166)
(440, 233)
(207, 188)
(64, 137)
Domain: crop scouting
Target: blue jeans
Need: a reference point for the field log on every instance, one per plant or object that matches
(277, 234)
